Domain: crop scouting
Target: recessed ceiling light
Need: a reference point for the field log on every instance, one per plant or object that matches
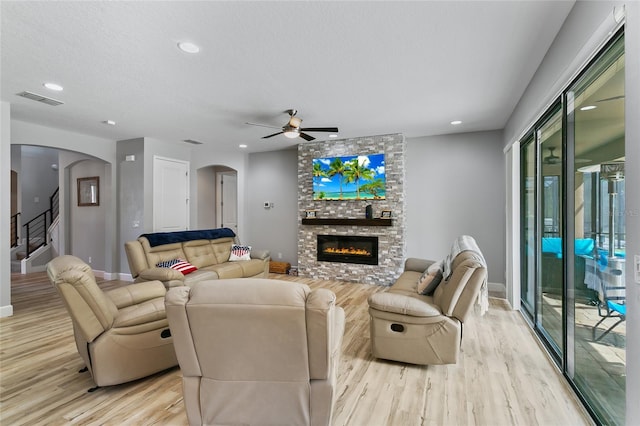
(333, 136)
(588, 107)
(187, 46)
(53, 86)
(109, 122)
(456, 122)
(242, 146)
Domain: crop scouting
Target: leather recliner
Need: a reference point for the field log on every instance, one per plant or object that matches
(121, 334)
(421, 329)
(256, 351)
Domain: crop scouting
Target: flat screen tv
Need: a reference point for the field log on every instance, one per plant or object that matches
(351, 177)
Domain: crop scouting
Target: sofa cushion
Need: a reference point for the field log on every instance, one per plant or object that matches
(200, 253)
(251, 268)
(239, 252)
(222, 249)
(399, 304)
(227, 270)
(162, 254)
(407, 282)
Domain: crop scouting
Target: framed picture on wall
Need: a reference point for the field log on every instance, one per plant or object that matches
(89, 191)
(385, 214)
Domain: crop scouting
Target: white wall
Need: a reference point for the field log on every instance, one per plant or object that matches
(6, 309)
(455, 186)
(23, 133)
(273, 177)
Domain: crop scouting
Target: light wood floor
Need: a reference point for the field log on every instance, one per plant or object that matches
(503, 378)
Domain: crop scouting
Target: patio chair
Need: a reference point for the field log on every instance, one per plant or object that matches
(612, 298)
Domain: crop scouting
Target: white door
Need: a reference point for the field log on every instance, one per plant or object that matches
(170, 195)
(228, 200)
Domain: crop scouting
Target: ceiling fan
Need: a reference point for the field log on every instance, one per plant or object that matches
(292, 129)
(551, 158)
(613, 98)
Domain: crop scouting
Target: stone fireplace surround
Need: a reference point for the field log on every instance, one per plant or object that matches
(391, 239)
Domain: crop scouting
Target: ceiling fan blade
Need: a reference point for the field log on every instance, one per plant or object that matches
(270, 136)
(306, 136)
(613, 98)
(320, 129)
(262, 125)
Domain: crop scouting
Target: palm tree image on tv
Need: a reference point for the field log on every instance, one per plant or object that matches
(354, 177)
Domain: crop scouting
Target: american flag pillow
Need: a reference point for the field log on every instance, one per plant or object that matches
(239, 252)
(179, 265)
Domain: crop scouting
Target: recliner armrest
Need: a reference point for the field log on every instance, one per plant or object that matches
(160, 274)
(260, 254)
(402, 304)
(133, 294)
(417, 265)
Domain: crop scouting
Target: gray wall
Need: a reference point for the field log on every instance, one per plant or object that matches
(273, 177)
(6, 309)
(37, 180)
(206, 190)
(455, 185)
(88, 222)
(130, 194)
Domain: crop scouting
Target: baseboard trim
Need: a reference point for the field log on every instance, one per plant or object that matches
(497, 290)
(124, 277)
(6, 311)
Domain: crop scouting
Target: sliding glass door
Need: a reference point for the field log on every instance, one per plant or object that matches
(595, 128)
(528, 189)
(550, 279)
(573, 233)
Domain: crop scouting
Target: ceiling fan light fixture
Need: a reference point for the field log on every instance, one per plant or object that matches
(291, 134)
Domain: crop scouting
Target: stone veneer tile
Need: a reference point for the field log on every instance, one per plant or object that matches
(391, 239)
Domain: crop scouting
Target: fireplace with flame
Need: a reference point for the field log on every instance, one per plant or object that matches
(348, 249)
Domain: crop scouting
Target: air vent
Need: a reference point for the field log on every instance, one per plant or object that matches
(193, 142)
(40, 98)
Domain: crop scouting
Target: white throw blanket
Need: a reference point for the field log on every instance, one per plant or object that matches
(467, 243)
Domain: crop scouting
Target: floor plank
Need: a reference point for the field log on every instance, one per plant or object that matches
(503, 377)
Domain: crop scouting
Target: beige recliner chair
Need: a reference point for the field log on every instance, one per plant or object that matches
(411, 327)
(122, 334)
(256, 351)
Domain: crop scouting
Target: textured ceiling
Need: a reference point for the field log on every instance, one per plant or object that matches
(366, 67)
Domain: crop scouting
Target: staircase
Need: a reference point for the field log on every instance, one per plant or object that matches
(34, 252)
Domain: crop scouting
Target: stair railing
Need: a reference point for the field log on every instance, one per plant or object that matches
(36, 228)
(14, 230)
(36, 232)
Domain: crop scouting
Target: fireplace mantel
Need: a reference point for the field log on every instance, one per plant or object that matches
(348, 222)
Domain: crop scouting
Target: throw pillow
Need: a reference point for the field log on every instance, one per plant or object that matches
(430, 279)
(239, 252)
(179, 265)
